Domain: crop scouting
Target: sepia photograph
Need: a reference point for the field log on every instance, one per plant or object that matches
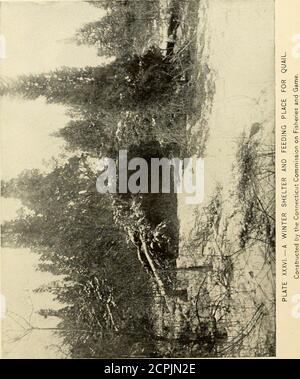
(138, 179)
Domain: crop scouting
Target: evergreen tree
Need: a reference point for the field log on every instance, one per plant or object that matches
(100, 86)
(111, 35)
(94, 137)
(104, 293)
(125, 30)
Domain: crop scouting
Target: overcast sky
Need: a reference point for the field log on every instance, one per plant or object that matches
(37, 40)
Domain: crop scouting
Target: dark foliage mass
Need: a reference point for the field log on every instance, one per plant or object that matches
(104, 290)
(122, 292)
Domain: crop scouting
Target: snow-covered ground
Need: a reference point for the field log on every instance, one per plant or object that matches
(236, 41)
(239, 50)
